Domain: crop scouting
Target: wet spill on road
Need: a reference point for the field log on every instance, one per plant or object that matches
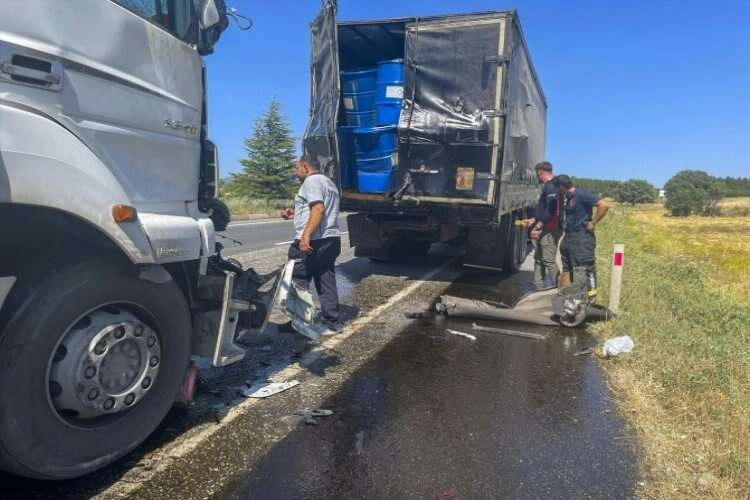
(499, 417)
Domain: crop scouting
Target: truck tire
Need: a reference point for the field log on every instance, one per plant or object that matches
(90, 364)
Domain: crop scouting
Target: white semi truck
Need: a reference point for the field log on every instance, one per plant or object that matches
(109, 274)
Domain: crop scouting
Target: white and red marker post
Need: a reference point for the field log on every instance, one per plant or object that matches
(615, 282)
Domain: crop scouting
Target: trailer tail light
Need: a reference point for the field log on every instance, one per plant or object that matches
(124, 213)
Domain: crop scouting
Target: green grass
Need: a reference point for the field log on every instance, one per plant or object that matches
(687, 385)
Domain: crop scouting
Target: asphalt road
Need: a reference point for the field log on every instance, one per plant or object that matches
(260, 234)
(418, 412)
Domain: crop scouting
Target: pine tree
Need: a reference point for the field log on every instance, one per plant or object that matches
(267, 172)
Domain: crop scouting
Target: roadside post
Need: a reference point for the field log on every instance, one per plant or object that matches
(615, 283)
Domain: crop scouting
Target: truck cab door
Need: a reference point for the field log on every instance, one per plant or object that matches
(319, 139)
(452, 117)
(125, 80)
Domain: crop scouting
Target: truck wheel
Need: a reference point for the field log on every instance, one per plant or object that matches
(89, 365)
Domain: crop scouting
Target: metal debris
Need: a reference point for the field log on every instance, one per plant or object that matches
(512, 333)
(461, 334)
(309, 415)
(266, 389)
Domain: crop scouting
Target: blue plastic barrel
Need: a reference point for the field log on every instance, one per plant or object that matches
(361, 118)
(375, 141)
(375, 182)
(347, 165)
(390, 71)
(359, 80)
(385, 161)
(387, 113)
(390, 91)
(358, 102)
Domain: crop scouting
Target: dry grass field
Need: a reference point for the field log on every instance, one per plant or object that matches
(686, 387)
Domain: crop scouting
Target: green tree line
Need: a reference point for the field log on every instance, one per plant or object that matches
(733, 187)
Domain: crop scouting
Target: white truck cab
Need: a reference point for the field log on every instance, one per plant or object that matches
(109, 275)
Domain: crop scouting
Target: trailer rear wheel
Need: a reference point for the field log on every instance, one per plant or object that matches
(89, 365)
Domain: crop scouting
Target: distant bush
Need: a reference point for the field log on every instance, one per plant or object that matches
(603, 188)
(635, 191)
(692, 192)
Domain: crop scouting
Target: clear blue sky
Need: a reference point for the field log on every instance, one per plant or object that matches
(637, 89)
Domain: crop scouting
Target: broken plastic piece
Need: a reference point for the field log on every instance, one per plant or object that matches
(618, 345)
(266, 389)
(584, 352)
(462, 334)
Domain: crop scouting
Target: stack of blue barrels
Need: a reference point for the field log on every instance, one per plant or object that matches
(368, 143)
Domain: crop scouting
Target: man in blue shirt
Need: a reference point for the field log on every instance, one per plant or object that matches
(578, 249)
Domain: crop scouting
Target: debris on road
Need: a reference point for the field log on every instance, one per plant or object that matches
(266, 389)
(568, 306)
(584, 352)
(309, 415)
(512, 333)
(617, 345)
(535, 307)
(461, 334)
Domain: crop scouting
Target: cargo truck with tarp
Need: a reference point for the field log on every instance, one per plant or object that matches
(432, 127)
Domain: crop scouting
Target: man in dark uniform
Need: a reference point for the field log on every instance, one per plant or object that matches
(546, 228)
(578, 249)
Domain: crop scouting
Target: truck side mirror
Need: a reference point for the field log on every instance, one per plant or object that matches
(209, 14)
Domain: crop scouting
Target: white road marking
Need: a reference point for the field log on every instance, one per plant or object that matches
(124, 488)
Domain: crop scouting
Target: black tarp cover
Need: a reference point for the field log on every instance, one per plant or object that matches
(324, 99)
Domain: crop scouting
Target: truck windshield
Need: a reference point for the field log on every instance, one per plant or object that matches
(176, 16)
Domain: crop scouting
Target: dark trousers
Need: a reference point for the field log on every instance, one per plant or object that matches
(578, 249)
(320, 267)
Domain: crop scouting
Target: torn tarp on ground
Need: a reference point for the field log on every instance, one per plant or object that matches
(534, 307)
